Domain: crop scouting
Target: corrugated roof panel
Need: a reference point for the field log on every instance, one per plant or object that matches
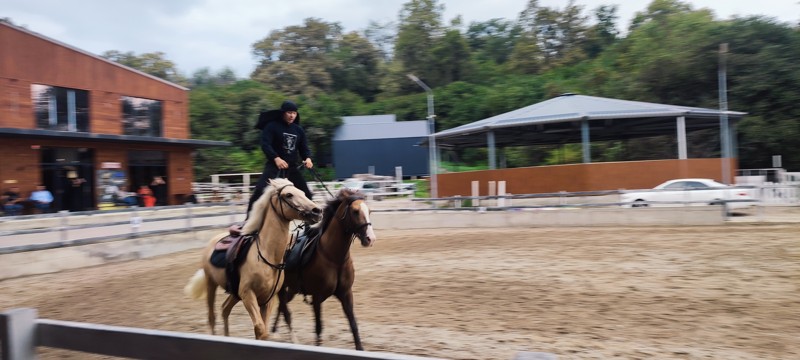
(390, 130)
(369, 119)
(570, 107)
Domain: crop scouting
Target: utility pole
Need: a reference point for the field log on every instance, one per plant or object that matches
(725, 140)
(432, 158)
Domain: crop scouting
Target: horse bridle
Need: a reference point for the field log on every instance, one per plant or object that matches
(283, 201)
(358, 228)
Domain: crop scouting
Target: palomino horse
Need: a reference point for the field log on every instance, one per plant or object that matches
(260, 273)
(330, 271)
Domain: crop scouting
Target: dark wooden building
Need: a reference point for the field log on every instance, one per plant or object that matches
(78, 123)
(379, 143)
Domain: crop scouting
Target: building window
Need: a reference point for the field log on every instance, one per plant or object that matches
(60, 109)
(141, 117)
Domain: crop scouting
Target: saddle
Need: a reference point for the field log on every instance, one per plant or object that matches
(229, 253)
(301, 252)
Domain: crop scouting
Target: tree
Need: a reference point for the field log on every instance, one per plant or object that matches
(450, 58)
(155, 64)
(382, 37)
(296, 60)
(551, 37)
(419, 27)
(356, 67)
(526, 58)
(604, 32)
(203, 76)
(492, 40)
(657, 11)
(674, 60)
(763, 75)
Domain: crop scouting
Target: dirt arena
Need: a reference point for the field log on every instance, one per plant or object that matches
(727, 292)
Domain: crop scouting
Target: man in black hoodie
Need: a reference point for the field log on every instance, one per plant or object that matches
(284, 144)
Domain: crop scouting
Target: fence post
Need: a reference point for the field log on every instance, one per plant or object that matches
(493, 190)
(188, 216)
(136, 220)
(18, 334)
(501, 191)
(63, 214)
(475, 193)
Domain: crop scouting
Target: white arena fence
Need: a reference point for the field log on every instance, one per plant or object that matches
(211, 192)
(22, 332)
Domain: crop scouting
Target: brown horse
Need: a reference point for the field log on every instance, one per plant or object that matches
(260, 273)
(330, 271)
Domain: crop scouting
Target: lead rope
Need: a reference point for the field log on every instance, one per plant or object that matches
(316, 176)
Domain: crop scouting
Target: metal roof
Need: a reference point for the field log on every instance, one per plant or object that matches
(369, 119)
(122, 139)
(373, 127)
(558, 120)
(84, 52)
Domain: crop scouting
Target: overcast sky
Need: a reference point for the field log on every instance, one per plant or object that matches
(219, 33)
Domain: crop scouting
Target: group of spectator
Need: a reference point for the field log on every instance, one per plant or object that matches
(41, 199)
(154, 194)
(14, 203)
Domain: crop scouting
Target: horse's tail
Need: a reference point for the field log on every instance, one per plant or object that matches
(196, 288)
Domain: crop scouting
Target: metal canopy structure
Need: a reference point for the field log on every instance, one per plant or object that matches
(572, 118)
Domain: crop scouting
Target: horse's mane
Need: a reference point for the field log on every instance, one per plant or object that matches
(330, 210)
(256, 216)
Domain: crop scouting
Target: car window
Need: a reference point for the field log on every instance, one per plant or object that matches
(352, 184)
(696, 185)
(676, 185)
(370, 185)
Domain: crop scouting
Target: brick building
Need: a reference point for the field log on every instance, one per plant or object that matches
(78, 123)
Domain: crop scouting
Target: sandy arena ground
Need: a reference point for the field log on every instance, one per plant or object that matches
(727, 292)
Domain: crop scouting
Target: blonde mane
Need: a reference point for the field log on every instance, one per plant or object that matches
(256, 216)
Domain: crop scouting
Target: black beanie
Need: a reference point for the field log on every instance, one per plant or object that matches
(288, 106)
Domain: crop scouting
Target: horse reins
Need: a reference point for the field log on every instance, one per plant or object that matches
(358, 227)
(282, 202)
(316, 176)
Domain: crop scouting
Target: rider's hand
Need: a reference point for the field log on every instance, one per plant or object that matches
(308, 163)
(281, 163)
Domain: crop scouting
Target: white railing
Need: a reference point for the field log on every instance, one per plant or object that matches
(218, 191)
(22, 333)
(779, 193)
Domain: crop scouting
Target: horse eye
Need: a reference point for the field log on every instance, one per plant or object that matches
(289, 195)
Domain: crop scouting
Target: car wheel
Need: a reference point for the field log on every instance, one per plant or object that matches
(639, 203)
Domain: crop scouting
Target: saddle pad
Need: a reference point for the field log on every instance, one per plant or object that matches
(218, 258)
(301, 252)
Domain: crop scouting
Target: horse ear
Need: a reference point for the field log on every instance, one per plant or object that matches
(345, 192)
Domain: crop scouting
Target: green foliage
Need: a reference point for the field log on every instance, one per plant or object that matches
(419, 27)
(155, 64)
(669, 55)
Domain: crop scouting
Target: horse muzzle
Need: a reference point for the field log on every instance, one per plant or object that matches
(367, 237)
(312, 216)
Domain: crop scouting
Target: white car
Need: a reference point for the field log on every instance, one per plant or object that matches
(680, 192)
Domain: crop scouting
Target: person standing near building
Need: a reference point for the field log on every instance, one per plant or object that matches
(146, 196)
(12, 201)
(159, 187)
(284, 144)
(41, 198)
